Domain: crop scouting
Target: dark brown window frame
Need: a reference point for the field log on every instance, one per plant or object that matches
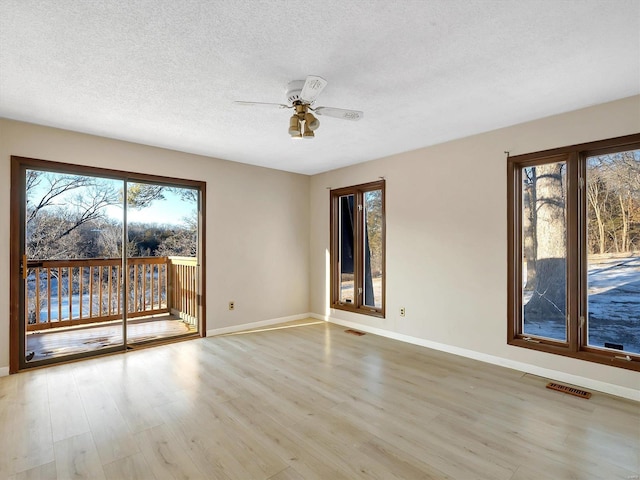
(17, 197)
(575, 156)
(358, 191)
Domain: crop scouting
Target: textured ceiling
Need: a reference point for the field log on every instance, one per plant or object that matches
(165, 72)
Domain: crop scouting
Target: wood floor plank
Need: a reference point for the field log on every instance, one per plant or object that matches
(77, 458)
(32, 442)
(8, 388)
(288, 473)
(547, 469)
(133, 467)
(135, 408)
(421, 441)
(257, 458)
(397, 460)
(7, 442)
(200, 435)
(532, 443)
(42, 472)
(165, 456)
(88, 372)
(282, 439)
(68, 418)
(111, 435)
(192, 441)
(593, 443)
(338, 444)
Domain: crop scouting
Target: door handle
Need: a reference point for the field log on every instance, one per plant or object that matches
(24, 267)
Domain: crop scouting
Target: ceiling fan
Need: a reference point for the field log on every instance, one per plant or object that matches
(301, 95)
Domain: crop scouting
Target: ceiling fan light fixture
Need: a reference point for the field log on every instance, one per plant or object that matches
(308, 133)
(294, 126)
(311, 122)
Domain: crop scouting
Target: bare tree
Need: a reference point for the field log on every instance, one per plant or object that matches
(549, 290)
(613, 192)
(528, 224)
(46, 189)
(598, 197)
(58, 207)
(141, 195)
(67, 218)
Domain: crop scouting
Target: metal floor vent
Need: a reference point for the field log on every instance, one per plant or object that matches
(569, 390)
(354, 332)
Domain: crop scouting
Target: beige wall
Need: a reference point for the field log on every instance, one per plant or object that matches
(447, 238)
(257, 221)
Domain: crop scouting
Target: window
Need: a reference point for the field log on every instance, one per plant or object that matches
(357, 248)
(574, 251)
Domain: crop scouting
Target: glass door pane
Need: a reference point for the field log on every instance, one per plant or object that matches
(544, 253)
(73, 251)
(613, 243)
(373, 248)
(346, 245)
(162, 261)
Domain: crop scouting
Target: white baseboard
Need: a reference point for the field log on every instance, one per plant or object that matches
(4, 371)
(249, 326)
(576, 380)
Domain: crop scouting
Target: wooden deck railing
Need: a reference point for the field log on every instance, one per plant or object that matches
(184, 288)
(76, 292)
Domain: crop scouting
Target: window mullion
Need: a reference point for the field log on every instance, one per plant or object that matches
(574, 249)
(582, 287)
(359, 264)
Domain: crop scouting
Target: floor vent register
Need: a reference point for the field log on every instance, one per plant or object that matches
(354, 332)
(570, 390)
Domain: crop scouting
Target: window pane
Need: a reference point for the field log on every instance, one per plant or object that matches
(613, 241)
(544, 251)
(346, 247)
(373, 248)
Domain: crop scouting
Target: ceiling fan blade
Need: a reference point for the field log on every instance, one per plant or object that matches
(353, 115)
(261, 104)
(313, 85)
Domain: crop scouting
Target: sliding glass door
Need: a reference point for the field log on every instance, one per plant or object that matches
(101, 262)
(162, 261)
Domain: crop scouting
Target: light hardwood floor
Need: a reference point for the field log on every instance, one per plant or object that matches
(306, 402)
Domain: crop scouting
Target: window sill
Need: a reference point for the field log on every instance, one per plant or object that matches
(604, 358)
(360, 310)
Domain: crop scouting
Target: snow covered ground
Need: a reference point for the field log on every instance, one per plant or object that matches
(614, 302)
(52, 316)
(613, 306)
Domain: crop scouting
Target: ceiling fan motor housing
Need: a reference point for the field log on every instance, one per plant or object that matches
(294, 89)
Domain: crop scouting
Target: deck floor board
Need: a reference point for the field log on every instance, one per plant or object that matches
(68, 341)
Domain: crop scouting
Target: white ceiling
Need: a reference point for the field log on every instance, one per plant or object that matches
(165, 72)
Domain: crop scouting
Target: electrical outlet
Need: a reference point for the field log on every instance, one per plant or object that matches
(232, 305)
(402, 311)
